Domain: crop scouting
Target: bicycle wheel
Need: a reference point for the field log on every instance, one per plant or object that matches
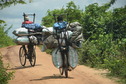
(61, 70)
(22, 56)
(32, 58)
(66, 65)
(64, 68)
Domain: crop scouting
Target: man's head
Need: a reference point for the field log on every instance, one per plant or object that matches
(59, 18)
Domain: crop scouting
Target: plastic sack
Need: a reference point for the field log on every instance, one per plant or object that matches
(31, 26)
(60, 25)
(50, 42)
(68, 33)
(56, 58)
(21, 32)
(47, 31)
(25, 40)
(72, 59)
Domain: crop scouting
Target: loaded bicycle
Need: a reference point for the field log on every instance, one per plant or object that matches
(63, 48)
(63, 53)
(30, 38)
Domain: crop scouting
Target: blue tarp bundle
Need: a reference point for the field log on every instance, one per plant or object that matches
(60, 25)
(31, 26)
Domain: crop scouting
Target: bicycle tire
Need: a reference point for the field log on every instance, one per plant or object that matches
(66, 73)
(22, 56)
(32, 59)
(66, 66)
(61, 70)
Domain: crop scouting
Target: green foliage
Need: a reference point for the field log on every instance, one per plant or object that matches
(95, 18)
(5, 40)
(49, 19)
(1, 21)
(105, 44)
(49, 51)
(119, 22)
(4, 75)
(74, 14)
(105, 53)
(8, 3)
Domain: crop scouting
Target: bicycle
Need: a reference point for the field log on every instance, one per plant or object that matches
(27, 53)
(63, 47)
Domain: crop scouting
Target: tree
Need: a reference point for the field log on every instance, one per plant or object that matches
(95, 18)
(119, 23)
(49, 19)
(74, 14)
(8, 3)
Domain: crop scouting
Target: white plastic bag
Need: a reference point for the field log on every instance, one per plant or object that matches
(20, 32)
(72, 58)
(24, 40)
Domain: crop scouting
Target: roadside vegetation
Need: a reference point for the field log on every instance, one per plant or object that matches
(5, 40)
(104, 31)
(4, 74)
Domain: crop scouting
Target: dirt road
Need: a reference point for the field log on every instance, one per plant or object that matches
(45, 73)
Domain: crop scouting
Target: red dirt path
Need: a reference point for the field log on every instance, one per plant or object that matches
(45, 73)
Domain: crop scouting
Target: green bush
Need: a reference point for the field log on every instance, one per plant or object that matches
(104, 52)
(5, 40)
(4, 75)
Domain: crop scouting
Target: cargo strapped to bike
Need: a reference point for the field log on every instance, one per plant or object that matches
(60, 25)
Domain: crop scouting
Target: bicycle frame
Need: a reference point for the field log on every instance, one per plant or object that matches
(29, 51)
(63, 47)
(62, 37)
(24, 49)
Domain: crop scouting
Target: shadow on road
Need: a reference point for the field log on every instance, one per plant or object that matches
(52, 77)
(23, 67)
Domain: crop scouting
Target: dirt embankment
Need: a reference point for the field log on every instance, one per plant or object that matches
(45, 73)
